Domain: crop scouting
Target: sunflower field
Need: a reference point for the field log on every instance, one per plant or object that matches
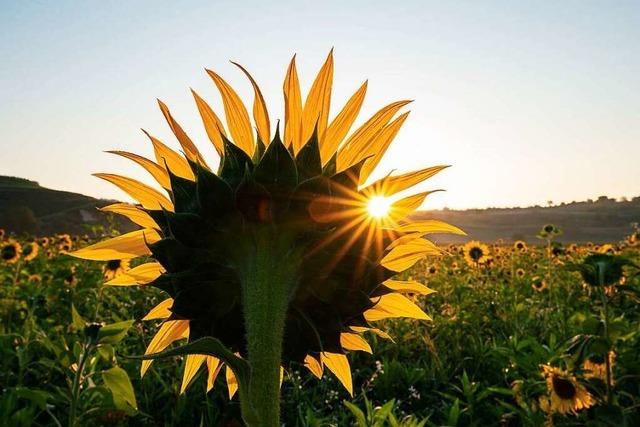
(520, 335)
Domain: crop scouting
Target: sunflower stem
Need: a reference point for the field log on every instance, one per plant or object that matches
(268, 278)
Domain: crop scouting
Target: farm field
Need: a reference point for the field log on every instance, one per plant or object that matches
(521, 335)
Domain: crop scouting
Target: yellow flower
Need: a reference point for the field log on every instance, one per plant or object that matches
(566, 394)
(10, 251)
(520, 272)
(35, 278)
(476, 253)
(2, 233)
(114, 268)
(520, 246)
(285, 235)
(597, 368)
(538, 284)
(30, 251)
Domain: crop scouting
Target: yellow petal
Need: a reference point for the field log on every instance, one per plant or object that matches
(236, 114)
(260, 113)
(147, 196)
(232, 381)
(169, 332)
(126, 246)
(191, 367)
(292, 108)
(358, 142)
(410, 286)
(316, 106)
(391, 185)
(174, 161)
(281, 375)
(394, 305)
(404, 240)
(339, 365)
(160, 311)
(157, 171)
(140, 275)
(313, 365)
(402, 208)
(376, 331)
(354, 342)
(430, 226)
(213, 368)
(212, 124)
(188, 146)
(341, 124)
(404, 256)
(378, 146)
(135, 215)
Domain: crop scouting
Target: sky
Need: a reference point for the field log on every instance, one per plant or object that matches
(528, 101)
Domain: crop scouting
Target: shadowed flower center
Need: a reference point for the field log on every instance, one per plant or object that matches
(8, 252)
(563, 387)
(113, 265)
(475, 253)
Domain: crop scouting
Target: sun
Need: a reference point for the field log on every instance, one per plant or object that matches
(379, 206)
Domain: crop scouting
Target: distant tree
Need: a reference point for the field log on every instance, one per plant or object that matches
(19, 219)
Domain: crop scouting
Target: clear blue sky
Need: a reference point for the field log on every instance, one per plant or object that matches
(530, 102)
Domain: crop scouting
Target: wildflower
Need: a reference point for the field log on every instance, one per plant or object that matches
(10, 251)
(538, 284)
(520, 246)
(283, 237)
(566, 394)
(476, 253)
(595, 367)
(520, 273)
(30, 251)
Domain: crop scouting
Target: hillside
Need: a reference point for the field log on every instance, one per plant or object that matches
(603, 220)
(25, 206)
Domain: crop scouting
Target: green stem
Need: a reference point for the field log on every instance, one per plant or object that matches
(268, 278)
(77, 381)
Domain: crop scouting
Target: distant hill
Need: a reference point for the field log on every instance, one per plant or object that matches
(27, 207)
(599, 221)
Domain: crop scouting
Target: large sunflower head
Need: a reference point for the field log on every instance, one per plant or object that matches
(566, 394)
(476, 253)
(284, 233)
(10, 251)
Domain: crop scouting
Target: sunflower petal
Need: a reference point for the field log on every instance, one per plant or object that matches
(191, 368)
(410, 286)
(140, 275)
(394, 305)
(313, 365)
(135, 215)
(316, 107)
(354, 342)
(190, 150)
(404, 256)
(430, 226)
(391, 185)
(341, 124)
(126, 246)
(402, 208)
(292, 108)
(157, 171)
(212, 124)
(213, 368)
(232, 381)
(147, 196)
(376, 331)
(339, 365)
(169, 332)
(173, 161)
(236, 114)
(260, 113)
(378, 146)
(357, 145)
(160, 311)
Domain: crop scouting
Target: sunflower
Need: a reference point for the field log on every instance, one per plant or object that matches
(2, 233)
(566, 394)
(10, 251)
(35, 278)
(538, 284)
(596, 367)
(30, 251)
(114, 268)
(520, 273)
(283, 255)
(69, 276)
(44, 241)
(476, 253)
(520, 246)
